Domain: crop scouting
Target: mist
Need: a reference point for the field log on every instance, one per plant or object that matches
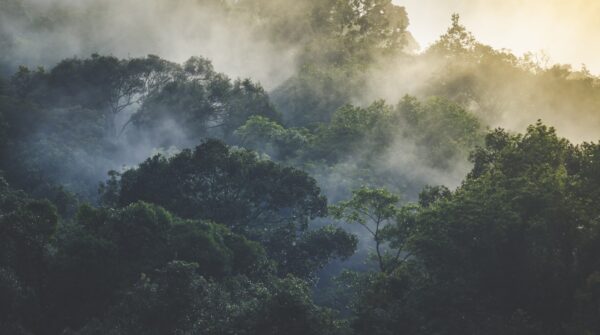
(565, 30)
(336, 167)
(43, 32)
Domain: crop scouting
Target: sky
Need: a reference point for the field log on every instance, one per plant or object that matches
(568, 31)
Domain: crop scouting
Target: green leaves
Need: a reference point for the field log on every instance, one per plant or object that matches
(266, 135)
(316, 248)
(376, 210)
(510, 249)
(175, 299)
(367, 206)
(266, 202)
(229, 186)
(202, 103)
(106, 252)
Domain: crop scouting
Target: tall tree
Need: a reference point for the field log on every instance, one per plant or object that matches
(376, 210)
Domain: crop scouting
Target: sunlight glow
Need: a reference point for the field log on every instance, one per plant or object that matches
(568, 31)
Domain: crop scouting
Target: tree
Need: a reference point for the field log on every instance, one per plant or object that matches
(175, 299)
(105, 84)
(266, 135)
(509, 251)
(446, 130)
(27, 227)
(457, 40)
(339, 44)
(375, 210)
(234, 187)
(255, 197)
(203, 103)
(106, 251)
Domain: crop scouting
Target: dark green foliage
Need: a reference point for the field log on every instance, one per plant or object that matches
(175, 300)
(66, 126)
(201, 102)
(431, 194)
(313, 250)
(114, 84)
(104, 84)
(258, 198)
(57, 153)
(508, 252)
(52, 280)
(26, 227)
(221, 240)
(48, 144)
(233, 187)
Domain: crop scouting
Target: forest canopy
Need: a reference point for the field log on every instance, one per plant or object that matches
(345, 184)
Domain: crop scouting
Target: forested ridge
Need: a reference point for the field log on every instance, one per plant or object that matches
(373, 189)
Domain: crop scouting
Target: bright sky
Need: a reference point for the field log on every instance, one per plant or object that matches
(567, 30)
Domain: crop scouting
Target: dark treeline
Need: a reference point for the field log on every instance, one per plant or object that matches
(144, 196)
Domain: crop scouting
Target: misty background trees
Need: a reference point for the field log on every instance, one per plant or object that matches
(367, 190)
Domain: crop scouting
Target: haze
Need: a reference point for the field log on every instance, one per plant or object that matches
(568, 31)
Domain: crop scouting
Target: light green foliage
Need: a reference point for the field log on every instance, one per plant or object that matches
(354, 129)
(501, 87)
(456, 41)
(375, 145)
(446, 130)
(376, 205)
(344, 28)
(376, 210)
(340, 40)
(266, 135)
(442, 130)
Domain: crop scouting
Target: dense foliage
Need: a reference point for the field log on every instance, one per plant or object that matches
(513, 250)
(308, 208)
(254, 197)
